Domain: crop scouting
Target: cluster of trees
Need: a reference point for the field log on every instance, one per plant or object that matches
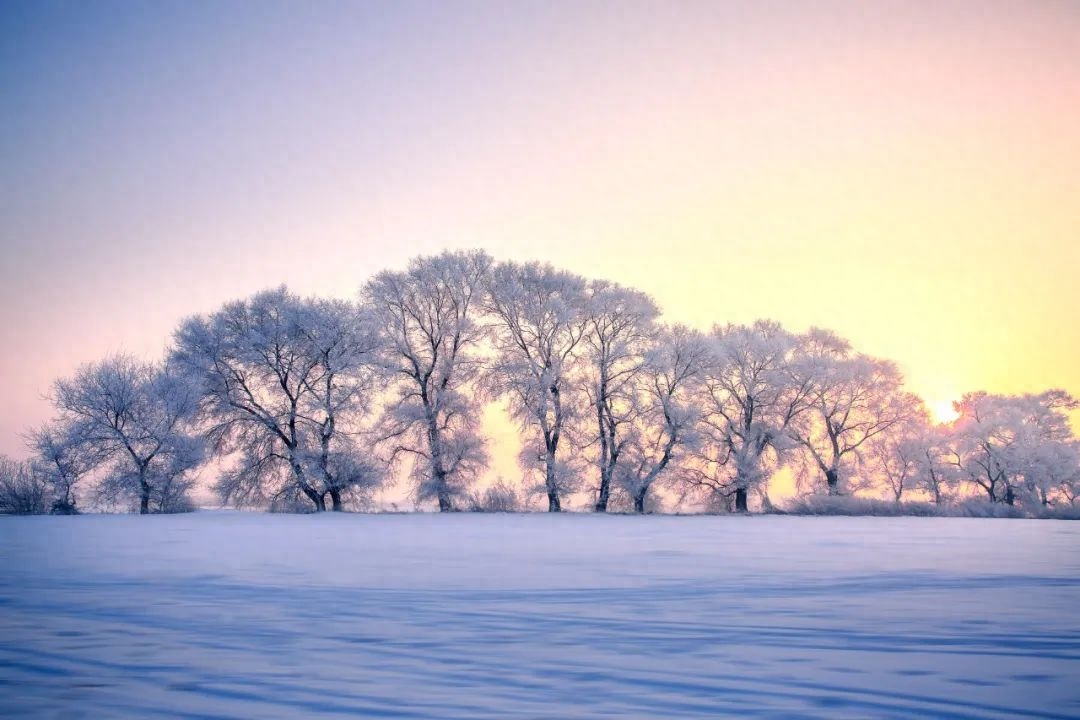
(316, 404)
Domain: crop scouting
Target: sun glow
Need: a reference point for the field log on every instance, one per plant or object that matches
(942, 411)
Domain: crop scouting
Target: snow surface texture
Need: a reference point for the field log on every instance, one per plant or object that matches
(234, 615)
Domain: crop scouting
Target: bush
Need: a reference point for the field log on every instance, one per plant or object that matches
(856, 506)
(291, 505)
(1059, 512)
(177, 504)
(500, 497)
(64, 507)
(22, 491)
(173, 496)
(985, 509)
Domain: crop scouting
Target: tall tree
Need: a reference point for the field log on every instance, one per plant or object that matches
(428, 318)
(136, 417)
(750, 400)
(539, 323)
(283, 384)
(853, 398)
(619, 325)
(343, 340)
(664, 424)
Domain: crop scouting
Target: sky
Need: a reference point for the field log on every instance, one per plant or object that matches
(905, 173)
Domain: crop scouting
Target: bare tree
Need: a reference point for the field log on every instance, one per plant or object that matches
(135, 417)
(539, 322)
(428, 319)
(282, 382)
(619, 325)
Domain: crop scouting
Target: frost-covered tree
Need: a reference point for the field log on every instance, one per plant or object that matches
(853, 398)
(897, 458)
(63, 462)
(665, 417)
(935, 472)
(750, 400)
(539, 321)
(1016, 448)
(428, 319)
(343, 339)
(284, 384)
(135, 417)
(619, 326)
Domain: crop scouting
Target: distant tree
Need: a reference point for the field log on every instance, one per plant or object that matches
(665, 419)
(853, 398)
(22, 490)
(896, 457)
(935, 471)
(284, 384)
(135, 419)
(619, 325)
(750, 400)
(63, 462)
(1016, 448)
(428, 319)
(539, 323)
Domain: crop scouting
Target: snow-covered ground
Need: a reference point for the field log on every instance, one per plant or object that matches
(243, 615)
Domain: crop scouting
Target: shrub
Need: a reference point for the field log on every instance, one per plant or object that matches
(22, 491)
(857, 506)
(1059, 512)
(985, 509)
(500, 497)
(64, 507)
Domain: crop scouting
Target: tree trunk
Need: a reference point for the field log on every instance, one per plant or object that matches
(832, 479)
(335, 498)
(144, 497)
(639, 500)
(740, 500)
(605, 475)
(1010, 496)
(315, 498)
(445, 501)
(554, 504)
(605, 492)
(438, 471)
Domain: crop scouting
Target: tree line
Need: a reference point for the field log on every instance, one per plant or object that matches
(316, 404)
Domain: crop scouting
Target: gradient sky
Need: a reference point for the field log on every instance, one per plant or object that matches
(905, 173)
